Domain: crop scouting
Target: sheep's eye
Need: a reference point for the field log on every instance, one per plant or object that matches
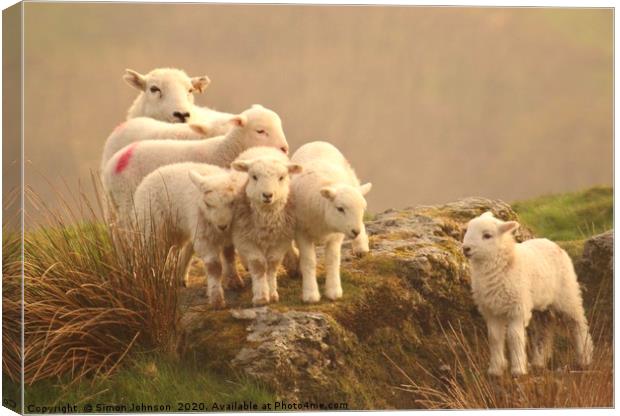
(191, 90)
(486, 236)
(155, 89)
(341, 209)
(255, 177)
(260, 131)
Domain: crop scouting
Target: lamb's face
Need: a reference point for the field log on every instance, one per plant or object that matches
(345, 208)
(486, 236)
(218, 197)
(263, 127)
(268, 179)
(167, 94)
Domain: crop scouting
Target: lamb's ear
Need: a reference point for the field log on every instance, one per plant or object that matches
(508, 226)
(294, 168)
(201, 83)
(365, 188)
(487, 214)
(328, 192)
(257, 106)
(135, 79)
(201, 129)
(241, 165)
(199, 181)
(239, 120)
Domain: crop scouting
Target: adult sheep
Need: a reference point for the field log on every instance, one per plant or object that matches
(329, 205)
(509, 280)
(264, 220)
(198, 201)
(121, 175)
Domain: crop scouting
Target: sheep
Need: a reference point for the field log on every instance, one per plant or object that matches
(509, 280)
(166, 94)
(263, 225)
(127, 167)
(329, 205)
(198, 200)
(145, 128)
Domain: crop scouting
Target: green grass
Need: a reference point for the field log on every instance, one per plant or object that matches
(570, 216)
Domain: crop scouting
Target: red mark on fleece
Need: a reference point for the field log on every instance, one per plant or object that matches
(124, 158)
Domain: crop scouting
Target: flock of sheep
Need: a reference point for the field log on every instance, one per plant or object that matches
(229, 187)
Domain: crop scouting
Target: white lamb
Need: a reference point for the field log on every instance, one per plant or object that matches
(198, 200)
(264, 226)
(165, 94)
(329, 205)
(145, 128)
(124, 171)
(511, 279)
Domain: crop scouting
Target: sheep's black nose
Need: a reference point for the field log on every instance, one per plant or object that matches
(181, 116)
(222, 227)
(466, 250)
(267, 196)
(355, 232)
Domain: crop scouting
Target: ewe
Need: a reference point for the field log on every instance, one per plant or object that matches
(329, 205)
(165, 94)
(264, 225)
(121, 175)
(198, 200)
(511, 279)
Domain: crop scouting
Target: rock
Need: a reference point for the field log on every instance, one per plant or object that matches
(597, 258)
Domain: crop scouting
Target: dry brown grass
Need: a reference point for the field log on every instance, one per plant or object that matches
(88, 301)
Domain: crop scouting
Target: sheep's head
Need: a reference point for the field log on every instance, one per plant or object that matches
(345, 208)
(218, 196)
(487, 236)
(268, 178)
(261, 127)
(166, 94)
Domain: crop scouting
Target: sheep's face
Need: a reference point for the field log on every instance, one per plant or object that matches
(268, 179)
(345, 208)
(261, 127)
(486, 236)
(218, 196)
(167, 94)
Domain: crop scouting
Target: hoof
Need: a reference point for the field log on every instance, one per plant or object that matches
(311, 297)
(333, 294)
(274, 297)
(260, 301)
(219, 303)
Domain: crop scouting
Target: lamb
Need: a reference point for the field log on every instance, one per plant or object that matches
(127, 167)
(264, 225)
(198, 200)
(329, 205)
(166, 94)
(144, 128)
(509, 280)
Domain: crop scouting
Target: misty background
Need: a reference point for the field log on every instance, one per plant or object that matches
(429, 104)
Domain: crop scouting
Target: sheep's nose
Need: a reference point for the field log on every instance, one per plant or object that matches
(284, 149)
(355, 233)
(223, 227)
(267, 195)
(181, 116)
(466, 250)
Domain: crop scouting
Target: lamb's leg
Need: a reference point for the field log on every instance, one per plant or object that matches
(540, 333)
(272, 279)
(333, 287)
(229, 269)
(260, 286)
(291, 261)
(215, 290)
(307, 264)
(184, 264)
(579, 330)
(359, 245)
(496, 329)
(516, 345)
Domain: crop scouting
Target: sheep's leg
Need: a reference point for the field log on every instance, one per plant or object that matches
(579, 331)
(291, 261)
(540, 333)
(215, 290)
(496, 329)
(260, 286)
(272, 279)
(229, 269)
(359, 245)
(184, 264)
(307, 265)
(333, 287)
(516, 346)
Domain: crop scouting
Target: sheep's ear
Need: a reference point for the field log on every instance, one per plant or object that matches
(294, 168)
(508, 226)
(199, 181)
(239, 120)
(201, 129)
(241, 165)
(135, 79)
(328, 192)
(487, 214)
(201, 83)
(365, 188)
